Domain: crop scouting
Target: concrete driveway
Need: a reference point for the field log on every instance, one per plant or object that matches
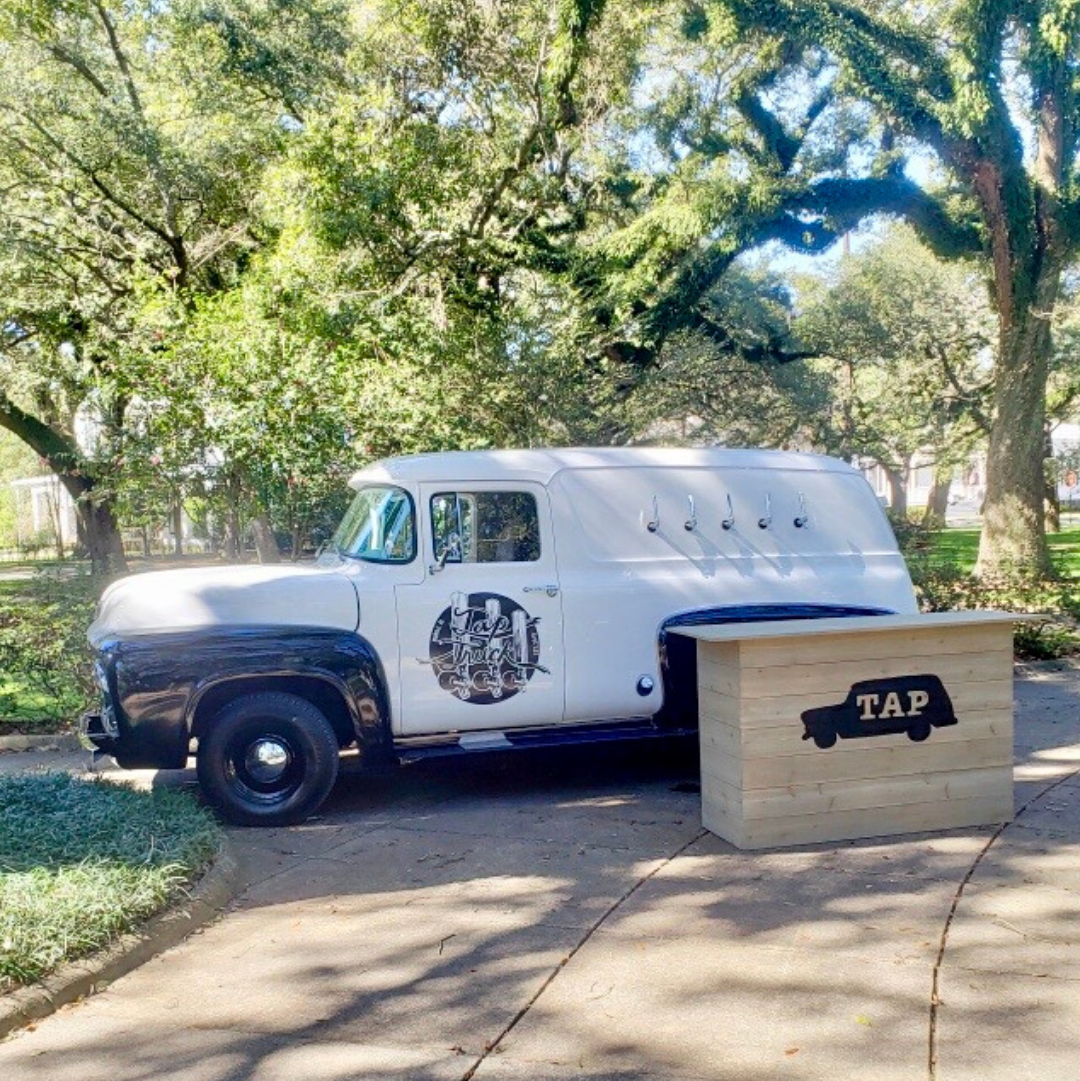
(562, 915)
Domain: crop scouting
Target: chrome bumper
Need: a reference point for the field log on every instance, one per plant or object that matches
(98, 732)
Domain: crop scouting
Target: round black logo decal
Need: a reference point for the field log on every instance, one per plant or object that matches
(485, 648)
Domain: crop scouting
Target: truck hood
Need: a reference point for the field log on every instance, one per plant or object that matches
(180, 600)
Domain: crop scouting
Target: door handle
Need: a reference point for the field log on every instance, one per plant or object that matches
(550, 589)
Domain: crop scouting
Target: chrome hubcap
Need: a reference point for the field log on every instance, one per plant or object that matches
(266, 760)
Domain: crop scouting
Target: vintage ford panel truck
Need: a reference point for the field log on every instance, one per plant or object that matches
(479, 600)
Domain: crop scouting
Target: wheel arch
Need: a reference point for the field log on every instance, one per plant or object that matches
(322, 689)
(678, 653)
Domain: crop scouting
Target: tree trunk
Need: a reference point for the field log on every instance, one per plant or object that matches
(937, 502)
(103, 540)
(1013, 535)
(145, 535)
(265, 543)
(1053, 505)
(234, 540)
(82, 549)
(178, 529)
(297, 541)
(897, 490)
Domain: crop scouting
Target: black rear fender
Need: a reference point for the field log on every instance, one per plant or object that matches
(678, 654)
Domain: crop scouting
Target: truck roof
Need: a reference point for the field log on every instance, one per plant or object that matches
(541, 465)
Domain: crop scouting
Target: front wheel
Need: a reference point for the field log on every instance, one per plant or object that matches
(267, 759)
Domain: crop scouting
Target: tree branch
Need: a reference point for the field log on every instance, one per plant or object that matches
(577, 17)
(120, 57)
(79, 65)
(908, 46)
(91, 175)
(841, 204)
(974, 410)
(60, 453)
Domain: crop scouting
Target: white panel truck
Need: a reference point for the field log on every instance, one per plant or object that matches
(473, 601)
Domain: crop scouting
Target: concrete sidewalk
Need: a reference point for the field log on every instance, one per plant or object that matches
(562, 915)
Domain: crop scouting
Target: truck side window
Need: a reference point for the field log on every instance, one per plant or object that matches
(485, 527)
(379, 527)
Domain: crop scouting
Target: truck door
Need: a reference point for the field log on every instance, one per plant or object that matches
(481, 637)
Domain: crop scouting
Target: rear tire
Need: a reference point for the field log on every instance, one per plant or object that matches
(267, 759)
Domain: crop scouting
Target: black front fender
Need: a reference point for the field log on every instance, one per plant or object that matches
(159, 681)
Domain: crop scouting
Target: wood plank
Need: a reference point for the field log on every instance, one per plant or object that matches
(860, 761)
(849, 825)
(851, 625)
(730, 827)
(838, 676)
(786, 739)
(721, 741)
(718, 667)
(925, 642)
(724, 654)
(714, 706)
(866, 794)
(764, 784)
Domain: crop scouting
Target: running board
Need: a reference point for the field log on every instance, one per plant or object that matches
(526, 738)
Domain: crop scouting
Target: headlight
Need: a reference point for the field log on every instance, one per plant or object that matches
(108, 712)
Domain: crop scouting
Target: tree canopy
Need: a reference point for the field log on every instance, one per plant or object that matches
(248, 244)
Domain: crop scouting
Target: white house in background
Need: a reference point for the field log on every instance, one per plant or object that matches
(43, 509)
(969, 479)
(1067, 446)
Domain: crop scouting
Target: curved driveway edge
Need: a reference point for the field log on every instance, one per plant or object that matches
(66, 742)
(78, 979)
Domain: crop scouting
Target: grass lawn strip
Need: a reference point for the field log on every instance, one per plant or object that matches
(960, 547)
(81, 862)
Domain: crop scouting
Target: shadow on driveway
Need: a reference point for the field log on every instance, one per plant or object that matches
(420, 929)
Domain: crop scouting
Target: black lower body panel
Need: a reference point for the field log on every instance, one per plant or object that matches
(568, 735)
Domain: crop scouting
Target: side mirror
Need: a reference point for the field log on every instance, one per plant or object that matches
(452, 545)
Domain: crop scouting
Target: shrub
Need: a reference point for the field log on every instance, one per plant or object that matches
(46, 664)
(915, 538)
(945, 587)
(1043, 640)
(942, 585)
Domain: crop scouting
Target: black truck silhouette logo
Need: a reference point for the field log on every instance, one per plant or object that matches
(881, 707)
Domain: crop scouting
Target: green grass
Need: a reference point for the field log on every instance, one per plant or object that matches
(1065, 551)
(83, 861)
(960, 547)
(957, 546)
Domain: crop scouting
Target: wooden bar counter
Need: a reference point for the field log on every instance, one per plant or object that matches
(828, 729)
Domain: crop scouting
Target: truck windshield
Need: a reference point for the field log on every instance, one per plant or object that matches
(379, 527)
